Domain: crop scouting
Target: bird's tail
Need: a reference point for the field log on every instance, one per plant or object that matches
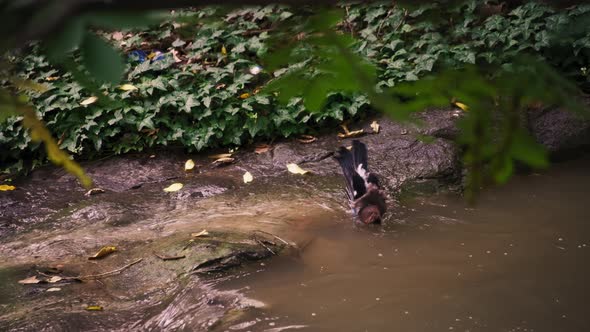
(359, 155)
(345, 159)
(353, 174)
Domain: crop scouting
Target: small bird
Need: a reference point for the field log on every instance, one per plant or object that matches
(365, 196)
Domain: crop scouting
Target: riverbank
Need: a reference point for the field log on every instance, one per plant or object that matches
(50, 226)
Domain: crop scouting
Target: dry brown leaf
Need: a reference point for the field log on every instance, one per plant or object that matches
(30, 281)
(54, 279)
(52, 78)
(202, 233)
(103, 252)
(150, 132)
(223, 161)
(350, 134)
(375, 126)
(261, 148)
(220, 155)
(118, 35)
(248, 177)
(306, 139)
(94, 191)
(175, 56)
(295, 169)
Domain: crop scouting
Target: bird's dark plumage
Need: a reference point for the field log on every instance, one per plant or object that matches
(362, 187)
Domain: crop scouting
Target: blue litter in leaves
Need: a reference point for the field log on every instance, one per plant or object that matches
(141, 56)
(138, 55)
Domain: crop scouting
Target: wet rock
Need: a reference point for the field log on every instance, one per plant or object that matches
(399, 152)
(559, 130)
(126, 172)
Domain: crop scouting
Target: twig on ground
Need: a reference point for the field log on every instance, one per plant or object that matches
(262, 244)
(276, 237)
(169, 258)
(108, 274)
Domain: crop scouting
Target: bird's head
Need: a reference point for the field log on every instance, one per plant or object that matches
(370, 214)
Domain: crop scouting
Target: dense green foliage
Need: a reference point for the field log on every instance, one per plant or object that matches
(202, 92)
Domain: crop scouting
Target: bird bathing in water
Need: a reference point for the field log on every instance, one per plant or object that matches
(365, 196)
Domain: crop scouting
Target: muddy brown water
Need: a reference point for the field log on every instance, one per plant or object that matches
(518, 261)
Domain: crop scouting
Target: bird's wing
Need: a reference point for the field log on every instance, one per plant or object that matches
(355, 184)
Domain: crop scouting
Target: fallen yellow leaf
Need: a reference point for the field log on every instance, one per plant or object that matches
(128, 87)
(200, 234)
(348, 133)
(244, 95)
(153, 55)
(6, 187)
(220, 155)
(375, 126)
(103, 252)
(94, 308)
(306, 139)
(223, 50)
(88, 101)
(52, 78)
(295, 169)
(174, 187)
(189, 165)
(345, 128)
(248, 177)
(462, 106)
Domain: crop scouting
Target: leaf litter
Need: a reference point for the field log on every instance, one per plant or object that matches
(103, 252)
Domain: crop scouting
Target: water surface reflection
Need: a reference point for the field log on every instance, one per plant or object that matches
(518, 261)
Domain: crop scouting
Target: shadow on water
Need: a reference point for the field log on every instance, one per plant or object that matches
(518, 261)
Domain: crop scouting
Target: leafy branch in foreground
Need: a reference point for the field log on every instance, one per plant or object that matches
(494, 130)
(493, 133)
